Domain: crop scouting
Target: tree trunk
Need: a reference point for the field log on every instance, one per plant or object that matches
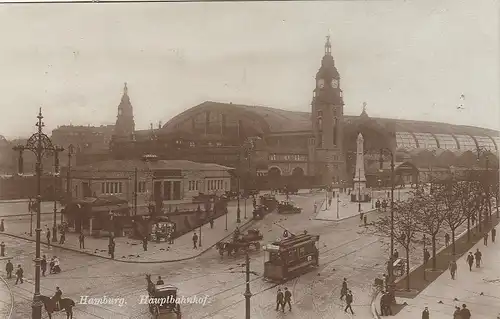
(434, 252)
(468, 229)
(408, 269)
(453, 241)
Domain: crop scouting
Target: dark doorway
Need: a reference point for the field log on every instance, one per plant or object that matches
(157, 190)
(167, 186)
(177, 190)
(87, 192)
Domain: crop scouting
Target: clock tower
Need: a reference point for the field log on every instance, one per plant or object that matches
(327, 121)
(125, 126)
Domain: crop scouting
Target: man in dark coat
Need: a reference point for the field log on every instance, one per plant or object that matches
(195, 241)
(348, 301)
(280, 300)
(19, 274)
(343, 290)
(470, 260)
(43, 265)
(465, 313)
(425, 313)
(478, 257)
(493, 234)
(427, 256)
(145, 243)
(9, 268)
(57, 298)
(485, 239)
(288, 299)
(48, 237)
(81, 240)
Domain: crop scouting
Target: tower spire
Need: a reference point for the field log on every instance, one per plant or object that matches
(125, 89)
(328, 46)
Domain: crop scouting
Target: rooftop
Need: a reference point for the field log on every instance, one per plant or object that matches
(130, 165)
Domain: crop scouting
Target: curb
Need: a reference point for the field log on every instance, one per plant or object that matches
(11, 296)
(242, 227)
(345, 218)
(374, 307)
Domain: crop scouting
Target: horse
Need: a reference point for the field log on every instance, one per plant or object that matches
(66, 304)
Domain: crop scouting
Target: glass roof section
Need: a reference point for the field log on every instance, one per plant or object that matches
(446, 141)
(426, 140)
(405, 140)
(466, 143)
(485, 142)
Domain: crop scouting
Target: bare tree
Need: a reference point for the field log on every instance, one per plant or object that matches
(429, 217)
(469, 201)
(405, 228)
(453, 213)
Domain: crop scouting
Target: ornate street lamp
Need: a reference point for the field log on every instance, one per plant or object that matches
(387, 150)
(40, 144)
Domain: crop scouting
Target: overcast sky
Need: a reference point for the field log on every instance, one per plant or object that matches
(408, 60)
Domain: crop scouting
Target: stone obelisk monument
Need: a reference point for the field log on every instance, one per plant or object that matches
(359, 175)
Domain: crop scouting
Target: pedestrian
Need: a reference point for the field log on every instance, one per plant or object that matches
(427, 256)
(48, 236)
(453, 268)
(43, 265)
(111, 248)
(315, 207)
(51, 264)
(81, 240)
(19, 274)
(396, 255)
(470, 260)
(63, 237)
(493, 234)
(478, 257)
(348, 301)
(9, 268)
(212, 223)
(2, 249)
(385, 304)
(343, 290)
(465, 313)
(447, 240)
(195, 241)
(485, 239)
(280, 300)
(2, 226)
(425, 313)
(145, 243)
(457, 314)
(288, 300)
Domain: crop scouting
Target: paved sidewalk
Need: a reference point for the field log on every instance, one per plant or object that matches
(6, 299)
(131, 250)
(479, 289)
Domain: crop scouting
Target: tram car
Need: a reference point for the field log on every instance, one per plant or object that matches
(291, 257)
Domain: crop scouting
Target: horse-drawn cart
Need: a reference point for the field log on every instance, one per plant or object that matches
(162, 301)
(240, 242)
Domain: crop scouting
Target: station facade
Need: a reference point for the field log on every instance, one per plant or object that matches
(272, 147)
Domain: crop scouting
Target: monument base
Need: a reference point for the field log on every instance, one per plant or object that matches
(364, 198)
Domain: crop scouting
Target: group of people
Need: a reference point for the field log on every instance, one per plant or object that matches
(463, 313)
(283, 299)
(9, 268)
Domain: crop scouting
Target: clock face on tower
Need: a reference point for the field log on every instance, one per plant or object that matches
(321, 83)
(335, 83)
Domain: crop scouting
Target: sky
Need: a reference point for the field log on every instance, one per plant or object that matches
(405, 59)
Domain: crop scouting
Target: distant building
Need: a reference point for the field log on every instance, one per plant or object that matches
(168, 181)
(315, 146)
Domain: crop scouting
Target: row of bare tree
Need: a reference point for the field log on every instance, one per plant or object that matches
(442, 207)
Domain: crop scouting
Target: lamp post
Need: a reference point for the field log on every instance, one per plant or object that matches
(247, 293)
(382, 150)
(39, 143)
(56, 150)
(424, 239)
(30, 207)
(359, 193)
